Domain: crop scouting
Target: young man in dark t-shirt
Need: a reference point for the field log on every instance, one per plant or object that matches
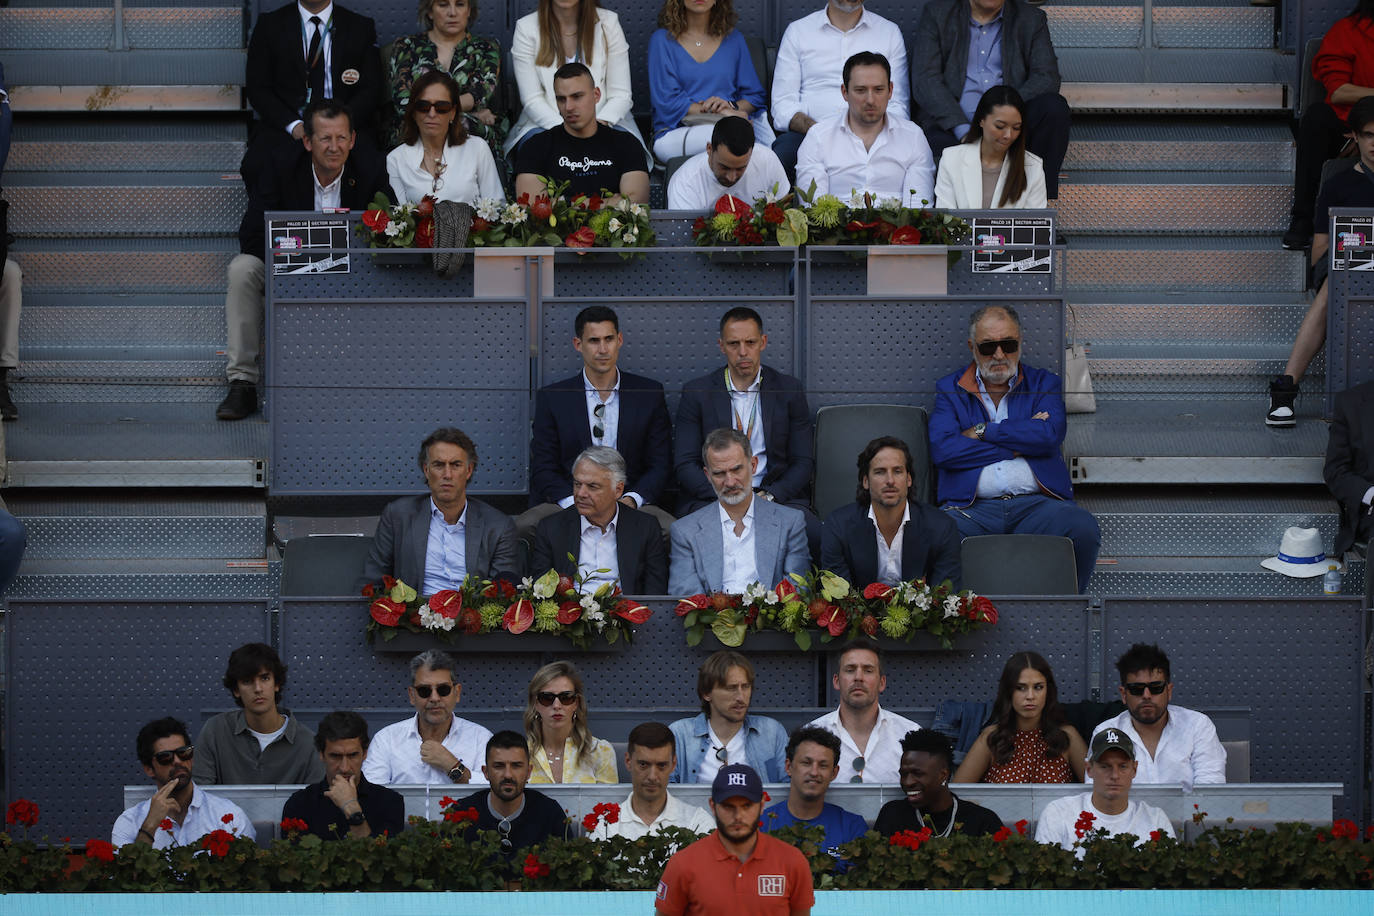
(582, 150)
(1351, 188)
(927, 760)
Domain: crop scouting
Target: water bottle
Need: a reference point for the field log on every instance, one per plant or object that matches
(1331, 582)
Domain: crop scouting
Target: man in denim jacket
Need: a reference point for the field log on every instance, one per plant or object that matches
(995, 437)
(724, 732)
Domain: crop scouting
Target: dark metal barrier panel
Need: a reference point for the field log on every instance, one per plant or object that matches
(70, 748)
(1298, 664)
(1350, 305)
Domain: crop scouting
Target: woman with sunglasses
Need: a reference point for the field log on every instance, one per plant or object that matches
(991, 169)
(1029, 739)
(562, 748)
(445, 44)
(437, 160)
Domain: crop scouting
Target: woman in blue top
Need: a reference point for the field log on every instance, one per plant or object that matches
(699, 72)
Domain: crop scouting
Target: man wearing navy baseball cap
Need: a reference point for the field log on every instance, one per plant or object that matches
(736, 869)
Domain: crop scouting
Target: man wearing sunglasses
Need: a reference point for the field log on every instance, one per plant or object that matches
(180, 812)
(520, 817)
(436, 746)
(601, 405)
(995, 436)
(1173, 744)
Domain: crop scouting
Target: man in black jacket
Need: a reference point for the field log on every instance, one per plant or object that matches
(1349, 469)
(345, 803)
(325, 173)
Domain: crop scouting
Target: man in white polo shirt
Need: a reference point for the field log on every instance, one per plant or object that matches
(870, 736)
(650, 758)
(1173, 744)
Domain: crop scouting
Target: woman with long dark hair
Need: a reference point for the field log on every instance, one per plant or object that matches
(436, 158)
(992, 169)
(1029, 739)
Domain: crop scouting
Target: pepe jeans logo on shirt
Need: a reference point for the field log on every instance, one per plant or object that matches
(583, 165)
(772, 885)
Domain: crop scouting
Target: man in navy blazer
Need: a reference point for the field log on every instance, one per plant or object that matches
(601, 405)
(597, 533)
(281, 81)
(769, 408)
(885, 537)
(432, 542)
(1349, 469)
(739, 539)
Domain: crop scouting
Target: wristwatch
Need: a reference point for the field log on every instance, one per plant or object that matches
(979, 429)
(456, 774)
(356, 818)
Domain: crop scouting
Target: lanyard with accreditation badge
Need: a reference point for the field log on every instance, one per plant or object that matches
(753, 411)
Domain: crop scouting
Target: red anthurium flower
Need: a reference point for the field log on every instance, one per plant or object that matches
(425, 207)
(388, 582)
(386, 612)
(785, 589)
(855, 226)
(906, 235)
(728, 204)
(424, 232)
(519, 617)
(569, 612)
(626, 609)
(446, 603)
(376, 220)
(834, 621)
(878, 590)
(686, 606)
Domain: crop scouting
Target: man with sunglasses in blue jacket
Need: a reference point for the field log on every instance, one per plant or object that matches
(995, 437)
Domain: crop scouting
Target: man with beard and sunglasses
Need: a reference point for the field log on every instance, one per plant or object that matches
(435, 746)
(996, 435)
(737, 868)
(1173, 744)
(520, 817)
(180, 812)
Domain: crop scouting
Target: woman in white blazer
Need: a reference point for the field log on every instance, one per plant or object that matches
(994, 145)
(556, 33)
(437, 157)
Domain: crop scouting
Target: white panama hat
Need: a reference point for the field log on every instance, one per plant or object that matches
(1300, 554)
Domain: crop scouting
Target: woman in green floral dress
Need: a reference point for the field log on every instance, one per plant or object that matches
(473, 62)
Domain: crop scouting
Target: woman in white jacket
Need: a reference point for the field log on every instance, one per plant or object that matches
(559, 32)
(991, 169)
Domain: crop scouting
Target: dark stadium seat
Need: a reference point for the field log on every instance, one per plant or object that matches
(1019, 564)
(323, 564)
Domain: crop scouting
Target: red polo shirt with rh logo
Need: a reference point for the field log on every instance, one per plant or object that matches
(705, 879)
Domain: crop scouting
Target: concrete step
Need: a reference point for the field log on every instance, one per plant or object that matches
(1176, 203)
(1215, 522)
(1195, 440)
(125, 265)
(1203, 576)
(79, 320)
(68, 205)
(66, 28)
(89, 145)
(142, 526)
(125, 578)
(1198, 263)
(1108, 318)
(142, 444)
(1179, 145)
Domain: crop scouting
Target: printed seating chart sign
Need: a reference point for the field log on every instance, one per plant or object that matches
(991, 232)
(1351, 232)
(302, 246)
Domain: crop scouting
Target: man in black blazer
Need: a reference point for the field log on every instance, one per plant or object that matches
(885, 537)
(1349, 469)
(325, 171)
(601, 405)
(597, 532)
(760, 402)
(432, 542)
(288, 69)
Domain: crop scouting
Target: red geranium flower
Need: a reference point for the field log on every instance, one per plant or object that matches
(534, 868)
(1156, 836)
(686, 606)
(1345, 829)
(294, 825)
(424, 232)
(524, 199)
(22, 811)
(635, 613)
(611, 812)
(102, 850)
(446, 603)
(166, 825)
(582, 238)
(227, 819)
(217, 842)
(906, 235)
(773, 214)
(1021, 826)
(1084, 824)
(1002, 835)
(542, 208)
(590, 821)
(519, 617)
(733, 205)
(386, 612)
(376, 220)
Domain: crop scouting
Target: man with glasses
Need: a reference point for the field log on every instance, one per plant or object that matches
(869, 736)
(520, 817)
(996, 435)
(813, 758)
(724, 732)
(1173, 744)
(180, 812)
(436, 746)
(601, 405)
(433, 542)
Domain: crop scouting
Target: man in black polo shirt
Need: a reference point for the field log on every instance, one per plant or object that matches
(927, 761)
(345, 804)
(521, 817)
(589, 155)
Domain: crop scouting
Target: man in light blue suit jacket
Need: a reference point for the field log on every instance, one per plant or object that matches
(742, 537)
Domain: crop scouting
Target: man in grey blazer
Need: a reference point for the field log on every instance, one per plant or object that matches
(432, 542)
(739, 539)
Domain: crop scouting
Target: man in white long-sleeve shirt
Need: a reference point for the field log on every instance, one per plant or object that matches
(1173, 744)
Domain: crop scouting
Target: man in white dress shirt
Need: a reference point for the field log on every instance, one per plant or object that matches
(435, 746)
(732, 164)
(870, 736)
(180, 812)
(650, 758)
(807, 73)
(867, 149)
(1173, 744)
